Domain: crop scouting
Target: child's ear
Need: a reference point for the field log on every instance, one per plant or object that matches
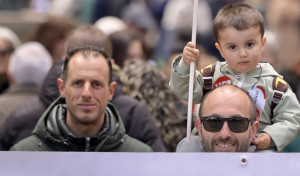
(264, 40)
(219, 48)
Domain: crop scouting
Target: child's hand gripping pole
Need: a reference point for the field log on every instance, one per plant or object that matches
(192, 70)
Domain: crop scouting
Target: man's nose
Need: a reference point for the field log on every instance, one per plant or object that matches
(225, 132)
(86, 91)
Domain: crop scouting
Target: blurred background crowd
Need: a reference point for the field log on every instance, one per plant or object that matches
(33, 35)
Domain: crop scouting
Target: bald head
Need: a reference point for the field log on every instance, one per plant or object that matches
(226, 103)
(228, 100)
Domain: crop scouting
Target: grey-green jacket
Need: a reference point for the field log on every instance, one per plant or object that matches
(52, 134)
(283, 127)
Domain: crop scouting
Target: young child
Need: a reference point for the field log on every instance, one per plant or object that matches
(239, 33)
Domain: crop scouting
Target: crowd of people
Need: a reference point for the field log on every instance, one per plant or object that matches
(116, 78)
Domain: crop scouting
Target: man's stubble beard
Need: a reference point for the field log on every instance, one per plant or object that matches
(210, 147)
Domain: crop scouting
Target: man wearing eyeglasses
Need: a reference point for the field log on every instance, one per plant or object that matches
(227, 123)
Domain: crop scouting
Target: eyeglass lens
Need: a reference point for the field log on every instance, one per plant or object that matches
(236, 124)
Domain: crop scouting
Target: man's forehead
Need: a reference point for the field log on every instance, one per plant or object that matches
(90, 56)
(227, 100)
(78, 63)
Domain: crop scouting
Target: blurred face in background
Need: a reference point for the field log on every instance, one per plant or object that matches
(135, 51)
(283, 18)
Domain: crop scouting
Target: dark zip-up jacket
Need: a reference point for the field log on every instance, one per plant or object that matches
(52, 134)
(135, 115)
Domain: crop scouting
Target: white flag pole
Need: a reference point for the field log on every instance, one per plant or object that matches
(192, 70)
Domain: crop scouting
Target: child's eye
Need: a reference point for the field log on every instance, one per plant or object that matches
(232, 47)
(249, 45)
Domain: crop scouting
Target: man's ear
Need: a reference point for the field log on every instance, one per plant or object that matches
(112, 88)
(219, 48)
(198, 125)
(61, 86)
(254, 129)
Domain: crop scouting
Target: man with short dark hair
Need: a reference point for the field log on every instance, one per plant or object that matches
(82, 119)
(227, 122)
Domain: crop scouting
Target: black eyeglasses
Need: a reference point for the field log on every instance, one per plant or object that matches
(214, 123)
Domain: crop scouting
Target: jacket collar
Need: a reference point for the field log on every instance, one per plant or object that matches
(261, 70)
(52, 129)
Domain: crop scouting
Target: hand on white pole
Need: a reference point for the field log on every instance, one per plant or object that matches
(192, 70)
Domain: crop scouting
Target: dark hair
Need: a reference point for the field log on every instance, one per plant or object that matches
(233, 88)
(86, 51)
(52, 30)
(121, 41)
(89, 35)
(241, 16)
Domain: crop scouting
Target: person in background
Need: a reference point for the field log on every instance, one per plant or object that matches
(27, 68)
(139, 18)
(22, 120)
(9, 41)
(270, 53)
(176, 24)
(148, 84)
(127, 45)
(283, 17)
(110, 24)
(82, 119)
(292, 76)
(52, 33)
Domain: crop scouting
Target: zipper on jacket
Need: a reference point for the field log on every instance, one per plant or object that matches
(241, 78)
(87, 144)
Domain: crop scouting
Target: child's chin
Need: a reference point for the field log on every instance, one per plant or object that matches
(243, 69)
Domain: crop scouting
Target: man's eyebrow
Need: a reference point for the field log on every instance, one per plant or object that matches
(98, 81)
(76, 79)
(214, 114)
